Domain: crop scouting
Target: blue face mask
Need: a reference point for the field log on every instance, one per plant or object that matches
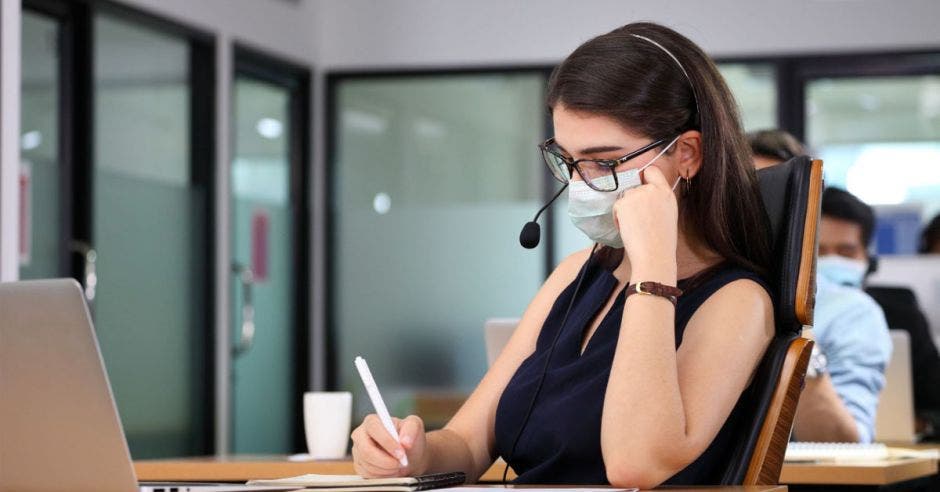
(841, 270)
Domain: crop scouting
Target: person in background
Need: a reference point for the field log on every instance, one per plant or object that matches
(850, 329)
(772, 147)
(900, 306)
(930, 239)
(846, 369)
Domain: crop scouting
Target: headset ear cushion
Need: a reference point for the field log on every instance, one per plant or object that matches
(872, 265)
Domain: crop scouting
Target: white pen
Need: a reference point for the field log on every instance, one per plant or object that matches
(377, 402)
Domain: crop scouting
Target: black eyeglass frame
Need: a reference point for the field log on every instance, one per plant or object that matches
(575, 164)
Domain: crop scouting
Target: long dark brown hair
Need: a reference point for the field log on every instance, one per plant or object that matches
(636, 83)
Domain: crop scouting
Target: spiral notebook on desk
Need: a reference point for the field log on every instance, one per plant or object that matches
(355, 483)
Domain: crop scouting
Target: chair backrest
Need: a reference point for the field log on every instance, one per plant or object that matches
(791, 192)
(763, 468)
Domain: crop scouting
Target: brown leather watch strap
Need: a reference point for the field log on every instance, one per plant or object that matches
(655, 289)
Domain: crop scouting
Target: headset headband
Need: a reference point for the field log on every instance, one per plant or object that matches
(687, 78)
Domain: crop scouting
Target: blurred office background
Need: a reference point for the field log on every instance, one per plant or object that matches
(253, 192)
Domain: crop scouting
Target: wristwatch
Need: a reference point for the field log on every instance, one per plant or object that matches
(654, 289)
(817, 363)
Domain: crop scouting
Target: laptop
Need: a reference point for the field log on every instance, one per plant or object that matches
(59, 426)
(894, 421)
(496, 334)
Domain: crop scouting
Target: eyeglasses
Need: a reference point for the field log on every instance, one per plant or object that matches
(599, 174)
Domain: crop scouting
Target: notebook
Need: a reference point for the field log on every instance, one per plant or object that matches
(355, 483)
(843, 451)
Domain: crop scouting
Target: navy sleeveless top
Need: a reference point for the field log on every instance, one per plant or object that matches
(562, 441)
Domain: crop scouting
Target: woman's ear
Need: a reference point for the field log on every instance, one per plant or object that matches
(689, 153)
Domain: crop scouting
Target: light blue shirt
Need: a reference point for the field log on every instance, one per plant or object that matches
(851, 331)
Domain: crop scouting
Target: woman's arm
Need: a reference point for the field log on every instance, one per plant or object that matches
(467, 443)
(664, 407)
(821, 415)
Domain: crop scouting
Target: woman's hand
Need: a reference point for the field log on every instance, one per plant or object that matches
(647, 217)
(376, 454)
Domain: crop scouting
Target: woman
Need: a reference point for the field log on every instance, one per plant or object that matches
(636, 390)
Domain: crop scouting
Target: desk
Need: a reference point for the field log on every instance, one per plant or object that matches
(234, 468)
(901, 474)
(239, 468)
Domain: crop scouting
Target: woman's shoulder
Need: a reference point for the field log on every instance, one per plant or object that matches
(725, 289)
(727, 276)
(734, 297)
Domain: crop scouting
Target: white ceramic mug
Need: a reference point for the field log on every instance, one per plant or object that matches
(327, 417)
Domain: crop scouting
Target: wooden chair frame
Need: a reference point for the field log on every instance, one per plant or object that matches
(767, 459)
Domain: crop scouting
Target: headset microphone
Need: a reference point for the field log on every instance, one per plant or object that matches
(531, 231)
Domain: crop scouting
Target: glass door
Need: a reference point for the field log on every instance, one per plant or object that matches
(269, 370)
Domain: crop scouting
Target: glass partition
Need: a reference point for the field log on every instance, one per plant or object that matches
(150, 223)
(754, 86)
(433, 176)
(880, 139)
(40, 166)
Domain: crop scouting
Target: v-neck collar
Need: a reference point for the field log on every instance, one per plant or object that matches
(582, 313)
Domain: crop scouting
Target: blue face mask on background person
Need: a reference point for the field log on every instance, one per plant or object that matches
(842, 270)
(591, 211)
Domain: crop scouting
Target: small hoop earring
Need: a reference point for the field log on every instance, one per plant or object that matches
(688, 185)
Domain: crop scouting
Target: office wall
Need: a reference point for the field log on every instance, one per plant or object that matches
(370, 33)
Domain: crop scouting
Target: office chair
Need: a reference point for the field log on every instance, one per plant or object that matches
(791, 193)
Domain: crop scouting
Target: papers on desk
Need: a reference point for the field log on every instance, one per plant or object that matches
(441, 482)
(801, 452)
(355, 483)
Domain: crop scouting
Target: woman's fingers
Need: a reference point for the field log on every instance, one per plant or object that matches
(409, 430)
(654, 176)
(374, 459)
(369, 458)
(381, 436)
